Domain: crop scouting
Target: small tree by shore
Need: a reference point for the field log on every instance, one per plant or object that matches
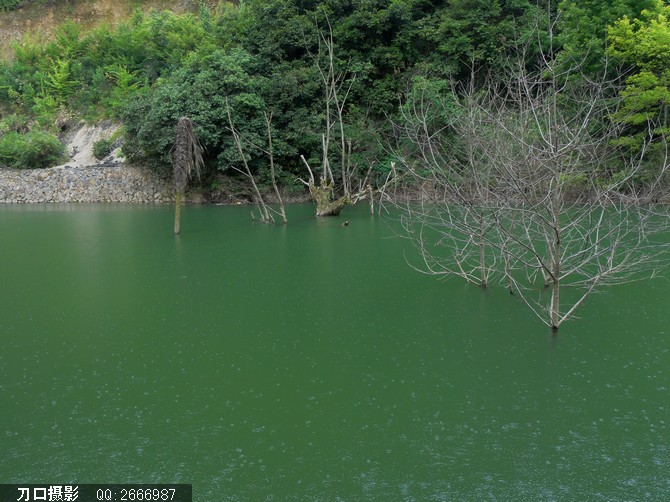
(337, 85)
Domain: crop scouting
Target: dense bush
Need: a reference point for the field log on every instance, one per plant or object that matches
(263, 57)
(102, 148)
(30, 151)
(204, 91)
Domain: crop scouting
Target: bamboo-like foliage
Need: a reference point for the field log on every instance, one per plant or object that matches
(186, 155)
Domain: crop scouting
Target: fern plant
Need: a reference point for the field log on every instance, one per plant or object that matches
(8, 4)
(60, 81)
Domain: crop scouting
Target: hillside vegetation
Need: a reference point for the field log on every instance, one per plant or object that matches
(319, 68)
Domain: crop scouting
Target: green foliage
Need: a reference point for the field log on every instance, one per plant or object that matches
(571, 180)
(60, 83)
(262, 57)
(386, 39)
(8, 4)
(433, 98)
(45, 108)
(31, 151)
(644, 43)
(102, 148)
(199, 91)
(68, 42)
(584, 26)
(14, 123)
(122, 86)
(95, 73)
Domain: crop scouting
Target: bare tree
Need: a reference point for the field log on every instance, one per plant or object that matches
(268, 120)
(337, 84)
(264, 211)
(529, 176)
(187, 157)
(579, 223)
(451, 219)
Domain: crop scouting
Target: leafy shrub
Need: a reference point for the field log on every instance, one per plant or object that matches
(31, 151)
(14, 122)
(102, 148)
(203, 90)
(8, 4)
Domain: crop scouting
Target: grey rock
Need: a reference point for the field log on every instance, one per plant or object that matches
(111, 182)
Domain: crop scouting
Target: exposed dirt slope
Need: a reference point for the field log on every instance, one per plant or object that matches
(43, 16)
(79, 140)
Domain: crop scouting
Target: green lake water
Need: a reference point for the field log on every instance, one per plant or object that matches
(308, 362)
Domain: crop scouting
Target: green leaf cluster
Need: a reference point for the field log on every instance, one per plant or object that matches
(30, 151)
(94, 73)
(6, 5)
(264, 58)
(644, 42)
(584, 26)
(102, 148)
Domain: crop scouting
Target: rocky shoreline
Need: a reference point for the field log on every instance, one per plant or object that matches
(85, 179)
(118, 182)
(103, 182)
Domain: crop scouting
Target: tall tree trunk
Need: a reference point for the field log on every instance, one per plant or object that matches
(177, 213)
(482, 249)
(555, 303)
(556, 209)
(508, 267)
(268, 119)
(555, 316)
(556, 251)
(508, 271)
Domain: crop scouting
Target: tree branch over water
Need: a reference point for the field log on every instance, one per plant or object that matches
(525, 184)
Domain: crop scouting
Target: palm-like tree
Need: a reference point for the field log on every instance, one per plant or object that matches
(186, 157)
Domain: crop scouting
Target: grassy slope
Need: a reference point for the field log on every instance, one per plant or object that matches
(41, 17)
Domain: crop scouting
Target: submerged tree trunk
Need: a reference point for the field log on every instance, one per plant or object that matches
(268, 120)
(372, 201)
(482, 250)
(555, 318)
(331, 208)
(324, 206)
(177, 213)
(556, 272)
(321, 193)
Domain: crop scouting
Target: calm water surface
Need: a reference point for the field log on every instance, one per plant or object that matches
(309, 362)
